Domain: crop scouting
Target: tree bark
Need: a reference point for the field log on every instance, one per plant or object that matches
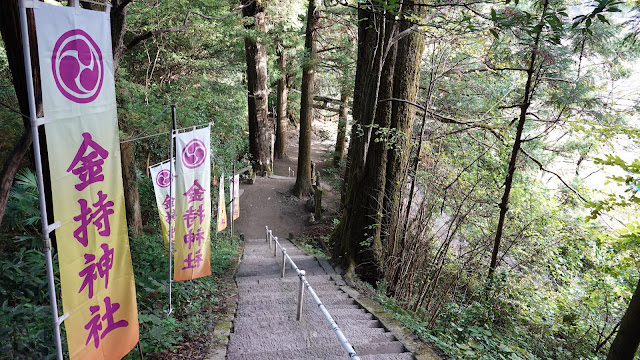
(356, 239)
(341, 138)
(515, 149)
(283, 93)
(256, 57)
(303, 176)
(405, 86)
(10, 168)
(625, 344)
(130, 183)
(118, 29)
(127, 158)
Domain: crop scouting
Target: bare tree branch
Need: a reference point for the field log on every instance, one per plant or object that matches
(539, 163)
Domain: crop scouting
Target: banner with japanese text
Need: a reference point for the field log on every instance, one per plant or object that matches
(78, 95)
(193, 205)
(222, 207)
(235, 196)
(161, 176)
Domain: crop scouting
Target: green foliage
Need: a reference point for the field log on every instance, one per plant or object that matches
(22, 215)
(25, 314)
(194, 302)
(23, 207)
(310, 246)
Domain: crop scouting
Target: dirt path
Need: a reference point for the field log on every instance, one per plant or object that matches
(268, 201)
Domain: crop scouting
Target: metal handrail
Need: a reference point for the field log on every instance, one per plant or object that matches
(304, 283)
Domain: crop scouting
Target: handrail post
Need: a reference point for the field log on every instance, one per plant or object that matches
(275, 246)
(284, 261)
(300, 295)
(266, 239)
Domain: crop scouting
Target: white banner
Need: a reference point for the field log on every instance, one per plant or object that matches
(193, 205)
(161, 177)
(222, 207)
(78, 94)
(235, 195)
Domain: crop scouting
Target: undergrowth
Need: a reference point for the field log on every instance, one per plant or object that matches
(196, 304)
(310, 245)
(25, 314)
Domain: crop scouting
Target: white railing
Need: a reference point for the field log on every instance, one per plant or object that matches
(304, 283)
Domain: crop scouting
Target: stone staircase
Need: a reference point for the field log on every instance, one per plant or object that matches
(265, 325)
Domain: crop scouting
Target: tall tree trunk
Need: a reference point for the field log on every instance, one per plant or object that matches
(256, 56)
(341, 139)
(405, 86)
(303, 176)
(130, 183)
(283, 93)
(625, 344)
(10, 168)
(515, 149)
(128, 161)
(118, 27)
(356, 239)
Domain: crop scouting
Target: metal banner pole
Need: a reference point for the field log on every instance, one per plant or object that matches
(171, 214)
(46, 227)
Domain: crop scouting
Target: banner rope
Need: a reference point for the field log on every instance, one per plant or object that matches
(147, 128)
(163, 133)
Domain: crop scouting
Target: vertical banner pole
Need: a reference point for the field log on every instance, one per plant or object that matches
(46, 228)
(171, 214)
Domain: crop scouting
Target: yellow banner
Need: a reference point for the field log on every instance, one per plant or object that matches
(193, 205)
(235, 195)
(222, 207)
(162, 181)
(78, 93)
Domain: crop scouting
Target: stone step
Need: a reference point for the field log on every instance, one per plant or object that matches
(262, 273)
(389, 347)
(259, 325)
(324, 352)
(261, 278)
(322, 331)
(289, 286)
(289, 314)
(326, 292)
(263, 311)
(265, 327)
(243, 344)
(293, 301)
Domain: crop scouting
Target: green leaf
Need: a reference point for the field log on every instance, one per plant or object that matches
(603, 19)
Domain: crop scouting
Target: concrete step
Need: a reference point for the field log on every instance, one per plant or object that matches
(289, 286)
(243, 344)
(323, 352)
(289, 314)
(321, 294)
(262, 311)
(293, 301)
(265, 325)
(319, 333)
